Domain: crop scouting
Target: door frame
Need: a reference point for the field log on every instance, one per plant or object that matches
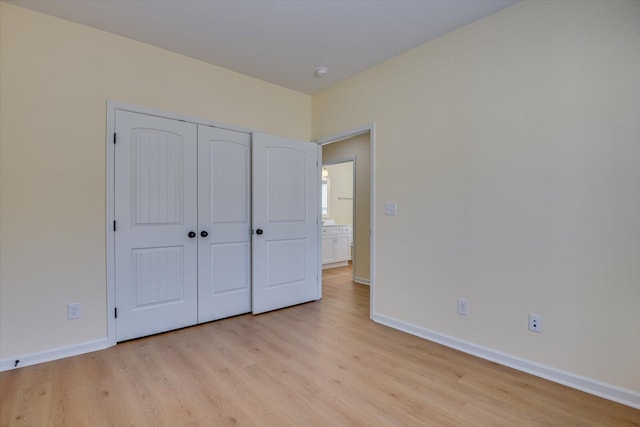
(341, 136)
(112, 107)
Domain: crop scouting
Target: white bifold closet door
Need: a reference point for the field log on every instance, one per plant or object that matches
(285, 219)
(155, 210)
(224, 218)
(183, 207)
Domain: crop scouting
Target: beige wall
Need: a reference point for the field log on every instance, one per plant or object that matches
(55, 78)
(512, 147)
(340, 191)
(358, 147)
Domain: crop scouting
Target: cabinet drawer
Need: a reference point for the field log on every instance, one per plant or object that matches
(326, 231)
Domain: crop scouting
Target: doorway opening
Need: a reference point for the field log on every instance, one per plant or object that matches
(338, 191)
(352, 149)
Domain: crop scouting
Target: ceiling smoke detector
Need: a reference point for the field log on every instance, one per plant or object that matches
(321, 72)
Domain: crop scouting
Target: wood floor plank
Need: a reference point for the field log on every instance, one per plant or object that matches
(323, 363)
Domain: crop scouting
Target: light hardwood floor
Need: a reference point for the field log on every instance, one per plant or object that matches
(318, 364)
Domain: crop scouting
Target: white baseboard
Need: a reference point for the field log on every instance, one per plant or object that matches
(335, 265)
(361, 281)
(53, 354)
(588, 385)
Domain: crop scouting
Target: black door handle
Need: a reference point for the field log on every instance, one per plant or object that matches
(191, 234)
(259, 231)
(204, 234)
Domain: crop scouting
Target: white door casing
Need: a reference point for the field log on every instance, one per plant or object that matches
(285, 187)
(224, 215)
(155, 209)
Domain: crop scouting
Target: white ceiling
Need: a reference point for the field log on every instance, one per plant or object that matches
(280, 41)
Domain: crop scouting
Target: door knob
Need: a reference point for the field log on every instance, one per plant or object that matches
(191, 234)
(204, 234)
(259, 231)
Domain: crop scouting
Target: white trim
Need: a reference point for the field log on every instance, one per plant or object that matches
(319, 221)
(350, 133)
(54, 354)
(361, 281)
(113, 105)
(588, 385)
(340, 161)
(110, 215)
(372, 256)
(330, 265)
(346, 134)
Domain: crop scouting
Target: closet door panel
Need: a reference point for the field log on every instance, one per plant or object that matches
(224, 280)
(155, 209)
(285, 213)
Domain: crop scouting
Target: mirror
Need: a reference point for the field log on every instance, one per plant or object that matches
(325, 197)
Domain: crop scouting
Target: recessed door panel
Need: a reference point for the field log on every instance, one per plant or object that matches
(229, 181)
(157, 196)
(286, 262)
(229, 268)
(286, 176)
(157, 276)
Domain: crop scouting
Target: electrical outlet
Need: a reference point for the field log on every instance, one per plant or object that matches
(463, 305)
(73, 311)
(535, 322)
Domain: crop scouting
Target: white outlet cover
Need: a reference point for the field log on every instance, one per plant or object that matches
(73, 311)
(463, 306)
(391, 209)
(535, 322)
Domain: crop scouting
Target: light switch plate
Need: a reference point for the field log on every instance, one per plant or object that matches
(391, 208)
